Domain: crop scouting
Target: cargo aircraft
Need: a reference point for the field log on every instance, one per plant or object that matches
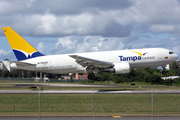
(118, 62)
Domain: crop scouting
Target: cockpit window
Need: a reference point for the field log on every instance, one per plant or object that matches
(171, 52)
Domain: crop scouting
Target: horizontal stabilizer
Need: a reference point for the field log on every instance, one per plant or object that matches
(22, 63)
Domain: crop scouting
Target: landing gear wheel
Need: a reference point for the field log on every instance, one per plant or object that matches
(98, 78)
(89, 77)
(164, 72)
(93, 78)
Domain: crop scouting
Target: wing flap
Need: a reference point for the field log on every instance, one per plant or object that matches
(84, 62)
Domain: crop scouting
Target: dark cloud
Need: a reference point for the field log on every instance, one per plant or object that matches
(69, 7)
(61, 7)
(115, 18)
(115, 29)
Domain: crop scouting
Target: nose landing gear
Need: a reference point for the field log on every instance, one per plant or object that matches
(164, 72)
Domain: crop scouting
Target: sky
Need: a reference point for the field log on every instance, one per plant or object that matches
(76, 26)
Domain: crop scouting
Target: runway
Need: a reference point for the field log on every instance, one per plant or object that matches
(90, 118)
(61, 85)
(15, 85)
(89, 91)
(75, 85)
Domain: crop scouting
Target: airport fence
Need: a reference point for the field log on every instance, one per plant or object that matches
(86, 104)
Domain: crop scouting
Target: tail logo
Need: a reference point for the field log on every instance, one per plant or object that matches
(22, 55)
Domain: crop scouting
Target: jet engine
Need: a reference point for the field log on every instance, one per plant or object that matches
(119, 68)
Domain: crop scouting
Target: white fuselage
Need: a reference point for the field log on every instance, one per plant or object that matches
(63, 64)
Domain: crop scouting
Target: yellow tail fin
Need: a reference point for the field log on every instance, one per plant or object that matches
(21, 48)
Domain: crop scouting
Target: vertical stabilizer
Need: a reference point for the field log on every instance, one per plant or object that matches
(21, 48)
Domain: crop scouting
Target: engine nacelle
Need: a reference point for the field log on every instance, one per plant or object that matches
(119, 68)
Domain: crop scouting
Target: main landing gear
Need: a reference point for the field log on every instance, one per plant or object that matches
(92, 77)
(93, 72)
(164, 72)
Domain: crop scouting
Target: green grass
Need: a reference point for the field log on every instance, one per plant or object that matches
(6, 85)
(104, 104)
(82, 88)
(81, 104)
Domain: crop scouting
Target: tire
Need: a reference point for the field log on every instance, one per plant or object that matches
(163, 72)
(98, 79)
(89, 77)
(93, 78)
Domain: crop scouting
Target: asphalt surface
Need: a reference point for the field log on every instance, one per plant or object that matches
(90, 118)
(89, 91)
(18, 85)
(41, 85)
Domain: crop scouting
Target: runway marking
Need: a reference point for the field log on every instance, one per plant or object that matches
(116, 116)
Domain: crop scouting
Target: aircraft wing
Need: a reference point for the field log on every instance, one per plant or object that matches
(88, 62)
(22, 63)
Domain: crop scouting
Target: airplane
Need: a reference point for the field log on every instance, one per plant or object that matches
(118, 62)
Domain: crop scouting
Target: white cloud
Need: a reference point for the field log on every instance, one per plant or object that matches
(176, 49)
(72, 44)
(2, 52)
(41, 48)
(46, 24)
(7, 55)
(44, 18)
(66, 42)
(84, 26)
(30, 2)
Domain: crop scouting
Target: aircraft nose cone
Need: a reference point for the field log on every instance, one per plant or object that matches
(176, 56)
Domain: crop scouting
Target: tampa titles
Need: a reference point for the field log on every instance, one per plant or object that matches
(134, 58)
